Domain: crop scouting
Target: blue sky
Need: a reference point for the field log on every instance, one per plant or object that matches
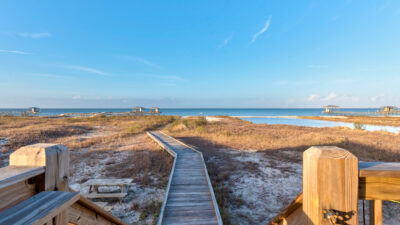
(199, 53)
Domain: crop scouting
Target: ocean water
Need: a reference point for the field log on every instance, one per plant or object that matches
(255, 112)
(202, 111)
(271, 113)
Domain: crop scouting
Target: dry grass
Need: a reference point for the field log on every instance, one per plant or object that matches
(102, 147)
(143, 161)
(277, 143)
(21, 131)
(238, 134)
(373, 120)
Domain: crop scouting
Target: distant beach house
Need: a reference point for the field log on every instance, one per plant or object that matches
(388, 109)
(34, 110)
(140, 111)
(330, 108)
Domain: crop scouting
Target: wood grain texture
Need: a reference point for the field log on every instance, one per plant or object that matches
(10, 175)
(330, 181)
(100, 212)
(189, 198)
(375, 212)
(379, 188)
(54, 157)
(377, 181)
(16, 193)
(14, 185)
(379, 169)
(39, 209)
(292, 214)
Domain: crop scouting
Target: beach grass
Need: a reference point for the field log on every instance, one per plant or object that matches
(372, 120)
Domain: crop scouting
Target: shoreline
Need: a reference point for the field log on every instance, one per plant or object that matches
(288, 117)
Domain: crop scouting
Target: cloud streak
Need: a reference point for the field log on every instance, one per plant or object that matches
(34, 35)
(138, 60)
(265, 28)
(145, 61)
(333, 97)
(88, 69)
(15, 52)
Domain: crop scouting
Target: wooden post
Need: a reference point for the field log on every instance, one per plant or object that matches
(375, 212)
(55, 158)
(330, 186)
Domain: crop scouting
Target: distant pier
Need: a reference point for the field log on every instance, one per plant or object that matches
(382, 111)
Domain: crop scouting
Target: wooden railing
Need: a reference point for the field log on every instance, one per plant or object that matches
(34, 190)
(333, 182)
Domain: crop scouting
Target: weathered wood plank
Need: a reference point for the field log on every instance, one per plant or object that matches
(105, 195)
(85, 212)
(10, 175)
(54, 157)
(379, 188)
(16, 193)
(39, 209)
(108, 182)
(190, 198)
(379, 169)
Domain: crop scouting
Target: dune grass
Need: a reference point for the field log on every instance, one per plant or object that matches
(372, 120)
(280, 144)
(21, 131)
(239, 134)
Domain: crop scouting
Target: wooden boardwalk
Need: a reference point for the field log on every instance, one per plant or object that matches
(189, 198)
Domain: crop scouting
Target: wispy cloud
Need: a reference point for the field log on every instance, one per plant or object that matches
(225, 41)
(46, 75)
(145, 61)
(138, 60)
(333, 97)
(313, 97)
(88, 69)
(34, 35)
(15, 52)
(265, 28)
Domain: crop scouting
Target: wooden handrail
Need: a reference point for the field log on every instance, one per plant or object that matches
(37, 176)
(18, 183)
(50, 205)
(377, 181)
(10, 175)
(295, 205)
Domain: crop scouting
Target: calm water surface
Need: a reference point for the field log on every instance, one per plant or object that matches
(319, 123)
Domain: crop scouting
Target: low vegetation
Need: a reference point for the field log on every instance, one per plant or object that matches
(279, 147)
(21, 131)
(234, 133)
(102, 147)
(372, 120)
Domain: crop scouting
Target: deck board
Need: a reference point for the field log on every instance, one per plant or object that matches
(189, 200)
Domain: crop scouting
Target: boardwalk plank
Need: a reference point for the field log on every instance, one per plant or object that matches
(190, 197)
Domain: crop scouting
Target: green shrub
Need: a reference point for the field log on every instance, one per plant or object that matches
(359, 126)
